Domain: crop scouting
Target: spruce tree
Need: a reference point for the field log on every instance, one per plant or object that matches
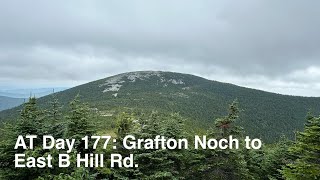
(161, 163)
(7, 152)
(153, 163)
(125, 126)
(31, 119)
(275, 157)
(79, 124)
(227, 124)
(227, 163)
(306, 153)
(54, 119)
(30, 122)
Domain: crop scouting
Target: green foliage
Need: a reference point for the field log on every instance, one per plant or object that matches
(275, 157)
(30, 119)
(78, 119)
(306, 153)
(266, 163)
(79, 173)
(228, 163)
(54, 123)
(227, 125)
(153, 164)
(79, 124)
(124, 124)
(301, 161)
(30, 123)
(33, 121)
(266, 115)
(161, 164)
(7, 152)
(54, 114)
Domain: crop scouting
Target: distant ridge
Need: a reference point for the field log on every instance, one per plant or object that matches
(25, 93)
(8, 102)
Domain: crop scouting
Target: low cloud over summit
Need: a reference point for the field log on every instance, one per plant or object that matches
(269, 45)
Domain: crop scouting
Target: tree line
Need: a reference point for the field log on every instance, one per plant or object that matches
(285, 159)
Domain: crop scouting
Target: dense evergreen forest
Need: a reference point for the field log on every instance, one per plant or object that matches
(283, 159)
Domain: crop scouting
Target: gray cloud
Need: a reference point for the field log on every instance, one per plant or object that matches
(269, 45)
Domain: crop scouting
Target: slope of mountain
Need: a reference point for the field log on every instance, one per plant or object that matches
(8, 102)
(265, 115)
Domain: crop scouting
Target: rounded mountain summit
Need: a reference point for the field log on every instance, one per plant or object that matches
(265, 115)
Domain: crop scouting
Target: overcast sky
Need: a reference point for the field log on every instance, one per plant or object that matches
(268, 45)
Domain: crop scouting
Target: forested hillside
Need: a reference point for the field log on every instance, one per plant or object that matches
(264, 115)
(8, 102)
(285, 159)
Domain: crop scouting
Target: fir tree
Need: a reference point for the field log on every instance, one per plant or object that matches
(275, 157)
(226, 125)
(30, 122)
(227, 163)
(161, 163)
(31, 119)
(125, 126)
(153, 163)
(306, 152)
(54, 124)
(79, 123)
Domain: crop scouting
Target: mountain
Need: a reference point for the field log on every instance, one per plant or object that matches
(265, 115)
(8, 102)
